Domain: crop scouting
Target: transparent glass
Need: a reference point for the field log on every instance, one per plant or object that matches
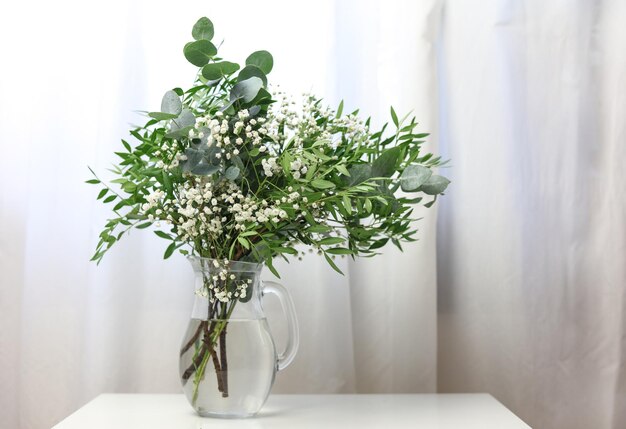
(228, 361)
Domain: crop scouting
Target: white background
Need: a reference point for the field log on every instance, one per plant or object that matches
(521, 293)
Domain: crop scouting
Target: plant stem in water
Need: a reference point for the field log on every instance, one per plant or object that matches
(224, 362)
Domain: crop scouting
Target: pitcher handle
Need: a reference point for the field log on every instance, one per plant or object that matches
(293, 339)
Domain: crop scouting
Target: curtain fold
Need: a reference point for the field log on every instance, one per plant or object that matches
(531, 236)
(516, 287)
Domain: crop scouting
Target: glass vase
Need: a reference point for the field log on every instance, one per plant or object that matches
(228, 361)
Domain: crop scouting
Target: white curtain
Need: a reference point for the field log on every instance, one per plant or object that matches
(532, 235)
(521, 294)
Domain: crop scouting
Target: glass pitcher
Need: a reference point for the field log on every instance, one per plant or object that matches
(228, 361)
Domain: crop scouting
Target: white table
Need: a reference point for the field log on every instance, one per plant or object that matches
(453, 411)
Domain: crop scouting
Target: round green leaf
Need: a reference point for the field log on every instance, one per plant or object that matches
(252, 71)
(185, 119)
(204, 169)
(413, 177)
(232, 172)
(203, 29)
(385, 164)
(214, 71)
(435, 185)
(177, 133)
(262, 59)
(263, 97)
(171, 103)
(206, 133)
(194, 157)
(199, 52)
(246, 90)
(359, 173)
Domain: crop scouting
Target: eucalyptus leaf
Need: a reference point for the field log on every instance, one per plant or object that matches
(194, 156)
(239, 164)
(227, 107)
(199, 52)
(185, 119)
(359, 173)
(385, 164)
(262, 59)
(232, 172)
(435, 185)
(413, 177)
(203, 29)
(430, 203)
(246, 90)
(171, 103)
(206, 133)
(214, 71)
(204, 169)
(262, 97)
(176, 132)
(210, 155)
(254, 110)
(251, 71)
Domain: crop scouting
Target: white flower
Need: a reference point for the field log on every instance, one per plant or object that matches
(295, 165)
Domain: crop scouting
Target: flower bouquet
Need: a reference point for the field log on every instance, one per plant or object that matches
(234, 173)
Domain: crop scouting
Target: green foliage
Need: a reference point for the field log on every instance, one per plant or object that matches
(203, 29)
(246, 90)
(228, 170)
(435, 185)
(261, 59)
(414, 176)
(199, 52)
(218, 70)
(252, 71)
(171, 104)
